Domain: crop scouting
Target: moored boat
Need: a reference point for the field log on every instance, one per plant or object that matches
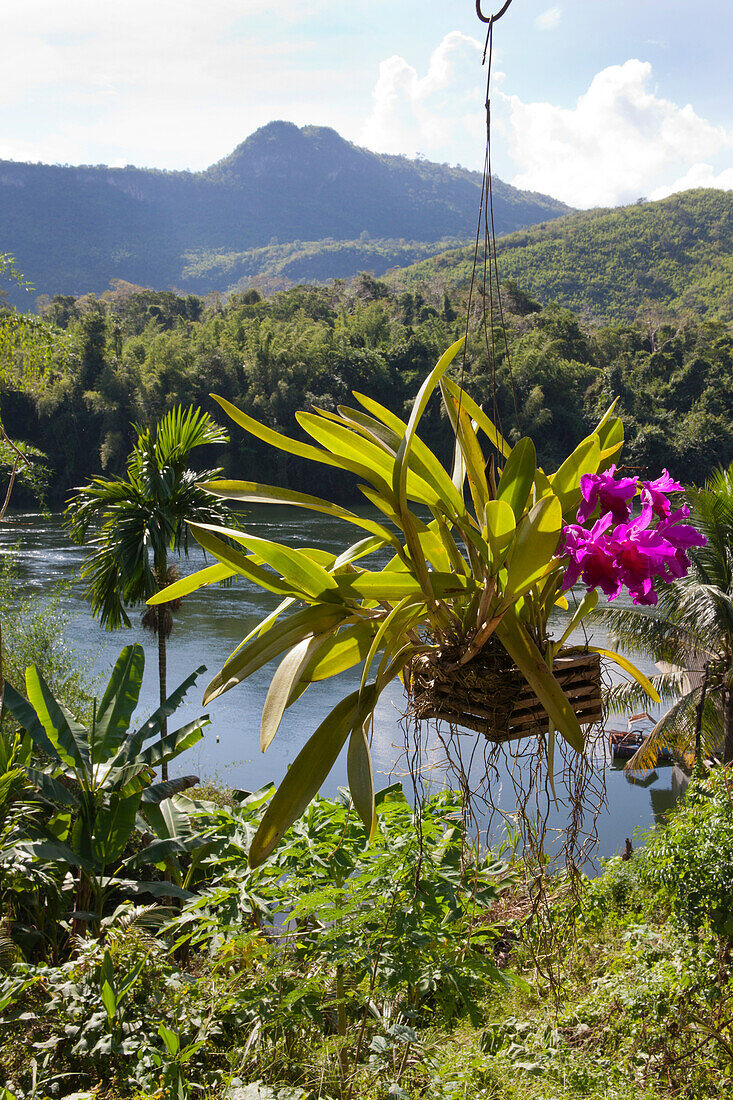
(624, 743)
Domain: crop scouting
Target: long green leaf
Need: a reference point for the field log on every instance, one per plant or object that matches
(611, 438)
(253, 492)
(65, 733)
(118, 702)
(401, 465)
(351, 451)
(114, 825)
(529, 660)
(151, 728)
(157, 889)
(500, 529)
(361, 778)
(273, 438)
(173, 744)
(566, 482)
(342, 651)
(238, 561)
(297, 568)
(395, 622)
(308, 771)
(162, 792)
(421, 458)
(28, 720)
(158, 851)
(280, 637)
(628, 666)
(393, 586)
(212, 574)
(477, 413)
(359, 550)
(518, 477)
(366, 459)
(55, 851)
(286, 676)
(51, 789)
(472, 462)
(534, 545)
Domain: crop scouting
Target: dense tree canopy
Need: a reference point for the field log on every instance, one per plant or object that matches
(130, 356)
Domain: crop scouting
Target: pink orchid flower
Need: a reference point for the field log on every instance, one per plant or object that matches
(653, 492)
(590, 557)
(612, 496)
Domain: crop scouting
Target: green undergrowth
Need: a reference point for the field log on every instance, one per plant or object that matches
(403, 969)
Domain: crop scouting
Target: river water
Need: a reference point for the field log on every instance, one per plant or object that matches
(211, 623)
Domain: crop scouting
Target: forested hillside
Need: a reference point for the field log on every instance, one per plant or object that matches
(108, 364)
(608, 264)
(72, 229)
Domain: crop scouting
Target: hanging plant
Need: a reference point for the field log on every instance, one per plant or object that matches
(464, 601)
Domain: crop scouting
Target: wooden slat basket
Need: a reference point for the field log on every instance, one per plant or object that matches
(490, 695)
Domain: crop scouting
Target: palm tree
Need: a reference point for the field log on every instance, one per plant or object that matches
(140, 518)
(690, 634)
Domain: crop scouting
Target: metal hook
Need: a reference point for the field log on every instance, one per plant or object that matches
(490, 18)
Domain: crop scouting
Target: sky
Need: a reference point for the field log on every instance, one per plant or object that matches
(595, 102)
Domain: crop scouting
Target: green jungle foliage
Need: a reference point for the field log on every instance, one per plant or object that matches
(129, 357)
(613, 264)
(403, 969)
(279, 266)
(77, 227)
(33, 634)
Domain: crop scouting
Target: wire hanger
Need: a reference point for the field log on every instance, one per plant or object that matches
(490, 18)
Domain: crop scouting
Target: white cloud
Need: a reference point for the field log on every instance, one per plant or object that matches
(620, 141)
(433, 113)
(699, 175)
(549, 19)
(170, 83)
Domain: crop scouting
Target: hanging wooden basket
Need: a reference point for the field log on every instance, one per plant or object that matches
(489, 694)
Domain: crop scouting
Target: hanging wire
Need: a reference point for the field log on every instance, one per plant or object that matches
(492, 305)
(550, 831)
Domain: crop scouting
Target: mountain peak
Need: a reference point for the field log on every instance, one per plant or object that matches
(278, 144)
(75, 229)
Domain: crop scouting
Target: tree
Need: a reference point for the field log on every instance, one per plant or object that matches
(140, 518)
(691, 631)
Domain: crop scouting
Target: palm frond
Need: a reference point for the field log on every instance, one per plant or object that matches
(630, 696)
(141, 517)
(675, 731)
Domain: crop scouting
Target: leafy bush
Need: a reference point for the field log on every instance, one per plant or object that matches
(331, 956)
(690, 859)
(33, 634)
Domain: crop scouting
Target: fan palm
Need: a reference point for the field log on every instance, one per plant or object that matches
(140, 518)
(690, 631)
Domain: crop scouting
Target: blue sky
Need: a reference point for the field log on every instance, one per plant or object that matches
(596, 102)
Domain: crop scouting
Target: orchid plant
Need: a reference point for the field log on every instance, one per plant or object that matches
(486, 569)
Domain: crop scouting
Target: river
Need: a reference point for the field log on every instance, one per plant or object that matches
(211, 623)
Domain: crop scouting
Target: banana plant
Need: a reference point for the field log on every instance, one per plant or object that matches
(485, 564)
(98, 775)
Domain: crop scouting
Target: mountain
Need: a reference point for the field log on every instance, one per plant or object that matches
(73, 229)
(677, 253)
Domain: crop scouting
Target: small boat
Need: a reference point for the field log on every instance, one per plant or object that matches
(624, 743)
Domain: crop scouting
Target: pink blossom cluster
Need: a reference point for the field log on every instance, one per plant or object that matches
(619, 550)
